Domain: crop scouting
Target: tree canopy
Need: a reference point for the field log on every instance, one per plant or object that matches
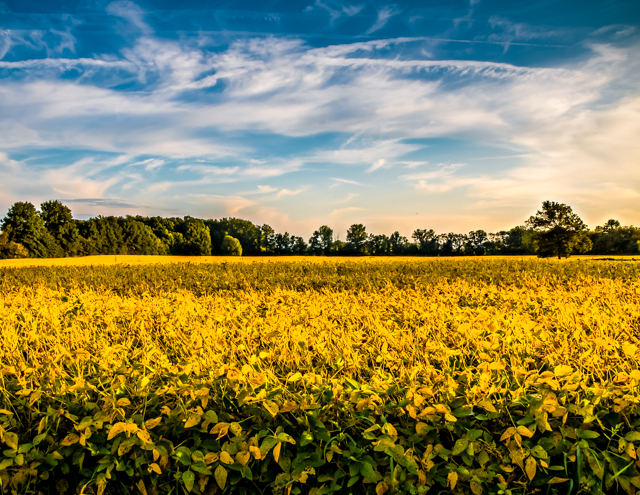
(555, 230)
(559, 231)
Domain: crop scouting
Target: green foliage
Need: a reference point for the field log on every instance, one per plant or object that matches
(25, 226)
(356, 238)
(321, 241)
(559, 231)
(231, 246)
(10, 249)
(59, 223)
(227, 431)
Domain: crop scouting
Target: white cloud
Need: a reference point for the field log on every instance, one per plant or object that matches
(346, 181)
(266, 189)
(576, 132)
(349, 197)
(384, 14)
(217, 205)
(287, 192)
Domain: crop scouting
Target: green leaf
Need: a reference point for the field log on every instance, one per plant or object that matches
(586, 433)
(461, 412)
(188, 478)
(352, 481)
(539, 452)
(220, 475)
(183, 457)
(246, 472)
(474, 435)
(211, 417)
(200, 467)
(632, 436)
(366, 470)
(267, 444)
(460, 446)
(307, 438)
(323, 434)
(39, 438)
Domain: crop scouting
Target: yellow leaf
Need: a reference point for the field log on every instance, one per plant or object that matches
(235, 429)
(382, 488)
(524, 431)
(211, 457)
(295, 377)
(192, 421)
(102, 484)
(441, 409)
(156, 455)
(144, 436)
(487, 405)
(226, 457)
(420, 426)
(452, 479)
(289, 406)
(155, 468)
(631, 451)
(272, 407)
(557, 480)
(11, 439)
(243, 457)
(255, 451)
(276, 451)
(475, 488)
(42, 425)
(507, 434)
(124, 402)
(562, 370)
(390, 429)
(132, 428)
(530, 467)
(220, 475)
(141, 487)
(116, 430)
(220, 429)
(150, 424)
(4, 411)
(70, 439)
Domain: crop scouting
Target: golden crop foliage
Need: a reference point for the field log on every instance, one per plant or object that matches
(493, 339)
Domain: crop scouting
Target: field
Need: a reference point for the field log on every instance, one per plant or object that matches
(316, 375)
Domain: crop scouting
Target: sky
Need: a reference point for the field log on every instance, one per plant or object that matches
(445, 115)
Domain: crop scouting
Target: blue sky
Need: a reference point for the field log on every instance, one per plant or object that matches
(451, 115)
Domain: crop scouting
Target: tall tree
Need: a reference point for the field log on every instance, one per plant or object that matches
(356, 237)
(197, 237)
(60, 224)
(398, 243)
(476, 241)
(10, 249)
(321, 240)
(25, 226)
(559, 231)
(427, 239)
(267, 239)
(231, 246)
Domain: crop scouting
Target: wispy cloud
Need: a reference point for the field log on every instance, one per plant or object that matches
(195, 117)
(288, 192)
(384, 14)
(346, 181)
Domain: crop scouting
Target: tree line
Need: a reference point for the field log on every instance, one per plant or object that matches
(50, 232)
